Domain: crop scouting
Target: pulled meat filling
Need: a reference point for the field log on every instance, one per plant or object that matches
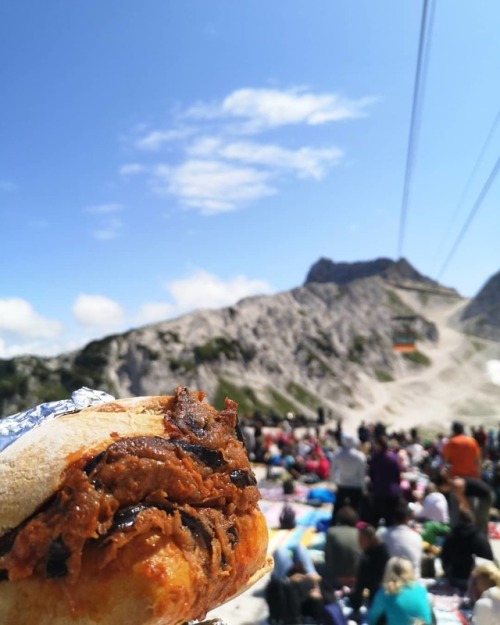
(191, 486)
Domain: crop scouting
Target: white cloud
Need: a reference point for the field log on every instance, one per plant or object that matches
(205, 290)
(262, 109)
(212, 186)
(131, 169)
(109, 230)
(97, 311)
(18, 317)
(103, 209)
(156, 139)
(305, 162)
(220, 173)
(200, 290)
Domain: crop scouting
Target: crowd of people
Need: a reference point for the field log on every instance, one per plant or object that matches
(405, 509)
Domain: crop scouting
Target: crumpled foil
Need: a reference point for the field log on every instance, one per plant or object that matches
(15, 426)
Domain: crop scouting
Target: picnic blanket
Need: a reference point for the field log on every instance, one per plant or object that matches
(304, 533)
(445, 601)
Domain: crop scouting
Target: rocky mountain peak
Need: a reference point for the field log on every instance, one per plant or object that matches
(482, 315)
(326, 270)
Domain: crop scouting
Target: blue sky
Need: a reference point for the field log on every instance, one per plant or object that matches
(161, 156)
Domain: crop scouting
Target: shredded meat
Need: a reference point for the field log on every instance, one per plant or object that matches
(191, 486)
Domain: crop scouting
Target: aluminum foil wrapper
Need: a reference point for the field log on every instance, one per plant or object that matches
(13, 427)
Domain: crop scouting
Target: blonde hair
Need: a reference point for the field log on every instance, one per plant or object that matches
(489, 571)
(398, 573)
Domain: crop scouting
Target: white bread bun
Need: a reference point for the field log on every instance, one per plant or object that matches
(166, 572)
(33, 465)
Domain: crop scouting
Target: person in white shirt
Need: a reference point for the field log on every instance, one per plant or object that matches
(401, 540)
(348, 473)
(435, 506)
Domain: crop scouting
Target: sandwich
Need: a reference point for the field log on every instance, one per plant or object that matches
(141, 511)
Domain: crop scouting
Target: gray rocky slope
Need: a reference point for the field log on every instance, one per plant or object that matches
(481, 317)
(322, 344)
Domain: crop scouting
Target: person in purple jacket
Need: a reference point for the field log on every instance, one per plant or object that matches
(385, 479)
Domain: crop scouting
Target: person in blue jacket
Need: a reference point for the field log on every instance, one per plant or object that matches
(401, 600)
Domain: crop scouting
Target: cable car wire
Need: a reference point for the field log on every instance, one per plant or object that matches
(471, 177)
(472, 214)
(426, 26)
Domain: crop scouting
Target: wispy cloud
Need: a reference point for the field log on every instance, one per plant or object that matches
(215, 168)
(261, 109)
(201, 289)
(154, 140)
(306, 161)
(212, 186)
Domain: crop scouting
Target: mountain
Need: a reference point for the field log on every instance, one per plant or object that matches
(481, 316)
(399, 273)
(325, 344)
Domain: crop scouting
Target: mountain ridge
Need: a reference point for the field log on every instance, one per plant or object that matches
(322, 344)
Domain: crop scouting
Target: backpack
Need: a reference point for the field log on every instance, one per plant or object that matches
(287, 518)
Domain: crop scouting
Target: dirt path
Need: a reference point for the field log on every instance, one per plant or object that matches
(455, 385)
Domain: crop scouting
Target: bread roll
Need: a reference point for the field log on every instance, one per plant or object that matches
(137, 512)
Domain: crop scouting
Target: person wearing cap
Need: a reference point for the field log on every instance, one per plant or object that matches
(348, 473)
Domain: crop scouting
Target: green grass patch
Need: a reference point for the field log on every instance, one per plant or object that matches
(302, 395)
(151, 354)
(322, 366)
(383, 376)
(181, 365)
(478, 346)
(170, 336)
(396, 304)
(357, 348)
(215, 348)
(280, 404)
(417, 358)
(244, 396)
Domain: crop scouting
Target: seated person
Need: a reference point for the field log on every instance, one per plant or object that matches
(294, 582)
(434, 506)
(401, 600)
(485, 583)
(342, 550)
(374, 557)
(296, 590)
(459, 548)
(401, 540)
